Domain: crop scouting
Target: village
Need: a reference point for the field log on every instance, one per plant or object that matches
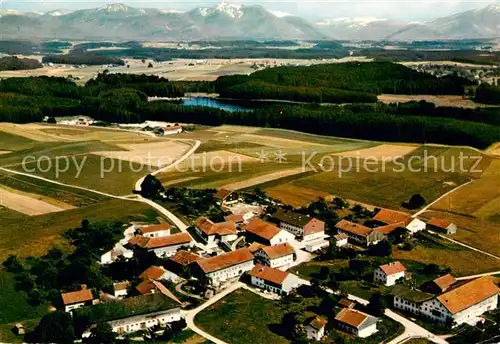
(250, 241)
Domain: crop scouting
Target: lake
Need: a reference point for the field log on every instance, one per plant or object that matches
(215, 103)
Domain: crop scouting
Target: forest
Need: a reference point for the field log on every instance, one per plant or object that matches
(81, 58)
(28, 48)
(15, 63)
(488, 94)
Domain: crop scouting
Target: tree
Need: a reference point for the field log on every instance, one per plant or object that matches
(376, 305)
(12, 264)
(55, 327)
(51, 120)
(381, 249)
(151, 187)
(432, 269)
(102, 333)
(416, 201)
(150, 65)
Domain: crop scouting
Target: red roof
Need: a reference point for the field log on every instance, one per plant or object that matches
(175, 127)
(79, 296)
(279, 250)
(318, 323)
(392, 217)
(392, 268)
(155, 228)
(351, 317)
(225, 260)
(269, 274)
(444, 282)
(138, 241)
(220, 228)
(235, 218)
(184, 257)
(255, 246)
(440, 223)
(314, 226)
(341, 236)
(222, 194)
(262, 228)
(153, 272)
(171, 240)
(354, 228)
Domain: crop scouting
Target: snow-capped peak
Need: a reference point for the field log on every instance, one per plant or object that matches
(360, 21)
(57, 13)
(234, 11)
(493, 8)
(173, 11)
(114, 8)
(281, 14)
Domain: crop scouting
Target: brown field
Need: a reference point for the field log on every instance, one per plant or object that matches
(27, 205)
(494, 149)
(454, 101)
(264, 179)
(385, 152)
(178, 181)
(294, 195)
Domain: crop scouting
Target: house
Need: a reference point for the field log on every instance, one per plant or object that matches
(394, 219)
(19, 329)
(153, 272)
(176, 129)
(410, 300)
(441, 226)
(315, 329)
(358, 234)
(113, 254)
(238, 219)
(346, 303)
(340, 239)
(266, 233)
(179, 264)
(315, 245)
(255, 246)
(151, 286)
(224, 197)
(121, 289)
(274, 280)
(136, 313)
(356, 322)
(463, 303)
(440, 284)
(212, 233)
(388, 274)
(155, 231)
(216, 270)
(302, 226)
(162, 246)
(77, 299)
(277, 255)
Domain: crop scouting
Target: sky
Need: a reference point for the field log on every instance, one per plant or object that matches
(404, 10)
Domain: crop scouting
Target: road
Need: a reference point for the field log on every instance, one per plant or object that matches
(465, 245)
(479, 275)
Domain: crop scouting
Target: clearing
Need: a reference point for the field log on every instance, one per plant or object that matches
(26, 204)
(454, 101)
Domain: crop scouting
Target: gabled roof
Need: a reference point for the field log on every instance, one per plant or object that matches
(150, 286)
(440, 223)
(387, 229)
(155, 228)
(352, 317)
(392, 217)
(346, 303)
(222, 194)
(269, 274)
(153, 272)
(220, 228)
(235, 218)
(291, 217)
(318, 323)
(444, 282)
(121, 285)
(176, 239)
(262, 228)
(392, 268)
(340, 236)
(413, 295)
(314, 226)
(138, 241)
(225, 260)
(468, 294)
(354, 228)
(79, 296)
(184, 258)
(278, 251)
(255, 246)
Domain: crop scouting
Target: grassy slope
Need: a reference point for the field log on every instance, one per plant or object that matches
(12, 142)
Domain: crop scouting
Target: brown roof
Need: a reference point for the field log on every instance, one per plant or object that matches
(440, 223)
(346, 303)
(151, 286)
(354, 228)
(341, 236)
(392, 268)
(351, 317)
(121, 285)
(255, 246)
(314, 226)
(444, 282)
(222, 194)
(392, 217)
(225, 260)
(279, 250)
(174, 127)
(262, 228)
(468, 294)
(155, 228)
(269, 274)
(220, 228)
(318, 323)
(234, 217)
(390, 228)
(176, 239)
(184, 257)
(153, 272)
(79, 296)
(138, 241)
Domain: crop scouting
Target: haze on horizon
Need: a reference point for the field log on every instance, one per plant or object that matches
(417, 10)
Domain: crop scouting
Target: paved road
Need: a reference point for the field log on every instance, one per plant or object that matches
(479, 275)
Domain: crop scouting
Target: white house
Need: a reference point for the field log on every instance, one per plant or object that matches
(340, 239)
(454, 307)
(441, 225)
(356, 322)
(226, 197)
(388, 274)
(302, 226)
(76, 299)
(155, 309)
(359, 234)
(277, 255)
(216, 270)
(176, 129)
(315, 245)
(266, 233)
(120, 289)
(162, 246)
(212, 232)
(316, 328)
(274, 280)
(395, 219)
(155, 231)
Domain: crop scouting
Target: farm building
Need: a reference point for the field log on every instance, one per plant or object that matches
(77, 299)
(356, 322)
(440, 284)
(212, 232)
(225, 197)
(340, 239)
(277, 281)
(120, 289)
(441, 226)
(395, 219)
(315, 329)
(358, 234)
(155, 231)
(162, 246)
(302, 226)
(388, 274)
(277, 255)
(266, 233)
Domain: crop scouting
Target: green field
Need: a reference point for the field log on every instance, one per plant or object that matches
(12, 142)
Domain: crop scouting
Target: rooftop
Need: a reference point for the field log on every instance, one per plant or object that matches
(222, 194)
(262, 228)
(279, 250)
(153, 272)
(392, 217)
(314, 226)
(237, 218)
(468, 294)
(225, 260)
(269, 274)
(121, 285)
(255, 246)
(352, 317)
(444, 282)
(440, 223)
(176, 239)
(155, 228)
(354, 228)
(341, 236)
(184, 258)
(291, 217)
(318, 323)
(79, 296)
(412, 295)
(392, 268)
(220, 228)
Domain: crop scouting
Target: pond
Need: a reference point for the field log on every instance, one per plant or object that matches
(215, 103)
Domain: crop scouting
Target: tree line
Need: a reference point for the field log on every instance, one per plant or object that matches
(488, 94)
(15, 63)
(81, 58)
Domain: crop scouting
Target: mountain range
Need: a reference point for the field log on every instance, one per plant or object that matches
(229, 21)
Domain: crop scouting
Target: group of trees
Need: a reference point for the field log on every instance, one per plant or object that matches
(80, 58)
(15, 63)
(488, 94)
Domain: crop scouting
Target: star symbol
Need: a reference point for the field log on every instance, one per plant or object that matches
(280, 156)
(263, 156)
